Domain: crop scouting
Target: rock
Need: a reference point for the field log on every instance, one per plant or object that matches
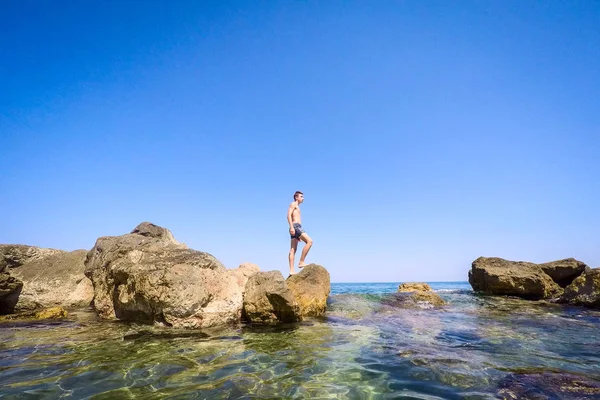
(497, 276)
(10, 289)
(147, 276)
(548, 385)
(311, 288)
(50, 277)
(563, 272)
(419, 292)
(584, 290)
(268, 300)
(48, 313)
(414, 286)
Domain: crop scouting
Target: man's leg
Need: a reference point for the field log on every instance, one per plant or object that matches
(292, 255)
(306, 239)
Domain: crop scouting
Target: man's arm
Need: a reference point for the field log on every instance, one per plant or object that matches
(291, 209)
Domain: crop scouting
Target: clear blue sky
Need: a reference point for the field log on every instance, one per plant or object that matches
(423, 133)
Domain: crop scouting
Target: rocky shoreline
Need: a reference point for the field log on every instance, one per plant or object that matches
(147, 276)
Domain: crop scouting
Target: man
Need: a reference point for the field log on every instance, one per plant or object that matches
(296, 231)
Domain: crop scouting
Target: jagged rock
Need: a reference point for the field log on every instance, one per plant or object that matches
(147, 276)
(10, 289)
(47, 313)
(563, 272)
(584, 290)
(311, 288)
(414, 286)
(418, 292)
(50, 277)
(268, 300)
(497, 276)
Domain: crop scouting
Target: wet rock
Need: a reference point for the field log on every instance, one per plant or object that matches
(10, 289)
(548, 385)
(47, 313)
(418, 292)
(584, 290)
(148, 276)
(497, 276)
(268, 300)
(50, 277)
(418, 299)
(310, 288)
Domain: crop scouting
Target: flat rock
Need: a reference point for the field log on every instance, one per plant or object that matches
(496, 276)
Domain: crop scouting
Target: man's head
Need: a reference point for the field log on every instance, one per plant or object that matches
(299, 196)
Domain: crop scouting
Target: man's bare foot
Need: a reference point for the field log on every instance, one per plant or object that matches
(302, 265)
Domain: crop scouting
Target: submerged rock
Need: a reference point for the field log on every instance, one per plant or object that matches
(47, 313)
(418, 292)
(310, 288)
(584, 290)
(268, 300)
(148, 276)
(497, 276)
(548, 385)
(50, 277)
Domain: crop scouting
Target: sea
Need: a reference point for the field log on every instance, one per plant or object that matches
(367, 346)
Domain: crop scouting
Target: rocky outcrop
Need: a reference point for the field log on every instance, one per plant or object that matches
(584, 290)
(50, 277)
(147, 276)
(563, 272)
(268, 300)
(10, 289)
(418, 293)
(311, 288)
(497, 276)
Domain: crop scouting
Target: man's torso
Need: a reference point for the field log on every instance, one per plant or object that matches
(296, 215)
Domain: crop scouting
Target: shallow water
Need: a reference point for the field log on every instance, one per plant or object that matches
(366, 347)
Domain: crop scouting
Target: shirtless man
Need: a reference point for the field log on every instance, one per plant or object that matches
(296, 232)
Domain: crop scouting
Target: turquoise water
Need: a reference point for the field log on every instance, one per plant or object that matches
(367, 346)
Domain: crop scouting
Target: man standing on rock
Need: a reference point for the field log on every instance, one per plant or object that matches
(296, 232)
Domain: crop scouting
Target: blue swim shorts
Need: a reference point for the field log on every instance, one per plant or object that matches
(298, 231)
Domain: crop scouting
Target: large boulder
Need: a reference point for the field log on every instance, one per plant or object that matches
(418, 293)
(497, 276)
(50, 277)
(311, 288)
(268, 300)
(10, 289)
(563, 272)
(148, 276)
(584, 290)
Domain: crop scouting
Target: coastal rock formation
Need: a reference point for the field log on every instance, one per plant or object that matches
(311, 288)
(10, 289)
(584, 290)
(418, 293)
(147, 276)
(548, 385)
(497, 276)
(268, 300)
(563, 272)
(50, 277)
